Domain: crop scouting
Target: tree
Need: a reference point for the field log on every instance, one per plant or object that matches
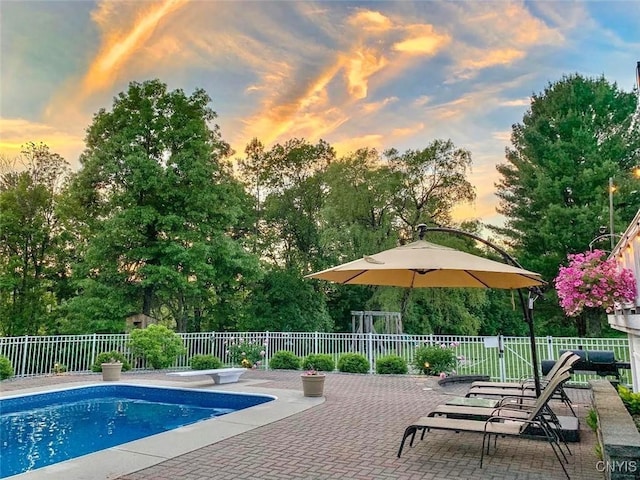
(358, 216)
(31, 239)
(162, 206)
(294, 196)
(356, 219)
(284, 301)
(433, 182)
(553, 187)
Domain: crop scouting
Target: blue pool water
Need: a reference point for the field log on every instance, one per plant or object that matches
(43, 429)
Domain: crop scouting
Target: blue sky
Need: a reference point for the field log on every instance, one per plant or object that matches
(376, 74)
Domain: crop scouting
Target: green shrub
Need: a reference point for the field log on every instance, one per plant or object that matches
(391, 364)
(157, 345)
(631, 400)
(318, 361)
(435, 359)
(284, 360)
(112, 356)
(6, 369)
(204, 362)
(592, 419)
(353, 363)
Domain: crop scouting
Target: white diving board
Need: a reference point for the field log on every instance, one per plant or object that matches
(219, 375)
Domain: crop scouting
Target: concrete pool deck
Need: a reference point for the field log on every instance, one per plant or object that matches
(353, 435)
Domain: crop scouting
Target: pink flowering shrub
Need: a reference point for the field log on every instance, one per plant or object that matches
(592, 281)
(245, 352)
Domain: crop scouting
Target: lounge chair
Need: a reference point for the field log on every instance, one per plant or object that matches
(567, 358)
(527, 390)
(513, 407)
(497, 425)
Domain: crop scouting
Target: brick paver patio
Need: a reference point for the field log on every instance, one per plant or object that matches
(355, 434)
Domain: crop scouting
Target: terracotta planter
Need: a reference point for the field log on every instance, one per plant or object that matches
(313, 385)
(111, 371)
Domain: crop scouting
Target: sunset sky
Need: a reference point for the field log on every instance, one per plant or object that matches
(356, 74)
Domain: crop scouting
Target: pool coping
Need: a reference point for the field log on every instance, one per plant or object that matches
(130, 457)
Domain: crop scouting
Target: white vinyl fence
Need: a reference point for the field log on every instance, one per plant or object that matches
(509, 360)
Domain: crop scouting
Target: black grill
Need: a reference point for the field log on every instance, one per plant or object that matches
(600, 362)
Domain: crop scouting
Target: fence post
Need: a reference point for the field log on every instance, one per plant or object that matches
(550, 347)
(266, 350)
(24, 355)
(503, 374)
(93, 349)
(315, 343)
(370, 351)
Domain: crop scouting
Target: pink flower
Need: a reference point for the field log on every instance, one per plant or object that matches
(590, 280)
(443, 375)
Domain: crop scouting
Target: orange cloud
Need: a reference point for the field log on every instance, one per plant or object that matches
(372, 107)
(407, 131)
(277, 117)
(118, 47)
(324, 103)
(348, 145)
(370, 20)
(502, 36)
(359, 68)
(491, 58)
(16, 132)
(422, 40)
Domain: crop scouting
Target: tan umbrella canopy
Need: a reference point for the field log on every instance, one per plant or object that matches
(424, 264)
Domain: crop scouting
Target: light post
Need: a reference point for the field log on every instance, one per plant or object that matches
(611, 227)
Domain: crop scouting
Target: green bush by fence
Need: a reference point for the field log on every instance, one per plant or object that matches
(284, 360)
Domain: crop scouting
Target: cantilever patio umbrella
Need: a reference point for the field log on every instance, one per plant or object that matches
(424, 264)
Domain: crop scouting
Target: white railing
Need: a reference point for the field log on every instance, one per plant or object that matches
(511, 360)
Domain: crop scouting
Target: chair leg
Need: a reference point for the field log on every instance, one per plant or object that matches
(410, 430)
(556, 421)
(484, 439)
(554, 443)
(553, 447)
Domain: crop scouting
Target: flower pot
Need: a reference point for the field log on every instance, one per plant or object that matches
(313, 385)
(111, 371)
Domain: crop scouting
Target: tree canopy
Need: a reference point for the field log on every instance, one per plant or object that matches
(161, 206)
(159, 221)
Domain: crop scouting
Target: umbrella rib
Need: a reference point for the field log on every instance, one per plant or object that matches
(531, 277)
(476, 278)
(351, 278)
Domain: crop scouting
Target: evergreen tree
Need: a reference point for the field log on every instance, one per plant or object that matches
(554, 185)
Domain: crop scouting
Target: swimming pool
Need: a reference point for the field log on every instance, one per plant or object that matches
(46, 428)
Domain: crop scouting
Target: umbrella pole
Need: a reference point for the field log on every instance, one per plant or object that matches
(528, 317)
(527, 311)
